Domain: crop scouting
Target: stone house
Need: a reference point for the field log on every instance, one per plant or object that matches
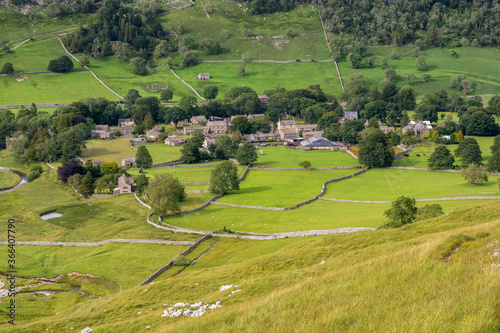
(198, 120)
(317, 142)
(125, 185)
(310, 134)
(97, 162)
(217, 127)
(128, 161)
(153, 134)
(203, 76)
(289, 134)
(256, 116)
(263, 101)
(382, 127)
(209, 140)
(285, 124)
(353, 115)
(174, 141)
(188, 130)
(420, 128)
(126, 122)
(125, 131)
(103, 135)
(263, 137)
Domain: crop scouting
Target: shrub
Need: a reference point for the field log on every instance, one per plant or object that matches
(7, 68)
(429, 211)
(117, 133)
(60, 65)
(181, 261)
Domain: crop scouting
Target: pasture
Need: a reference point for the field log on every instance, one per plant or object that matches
(389, 184)
(285, 157)
(8, 179)
(164, 153)
(108, 150)
(296, 34)
(281, 188)
(51, 88)
(480, 65)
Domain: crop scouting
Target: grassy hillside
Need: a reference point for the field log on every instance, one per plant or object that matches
(346, 282)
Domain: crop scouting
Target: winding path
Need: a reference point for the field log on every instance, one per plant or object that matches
(22, 183)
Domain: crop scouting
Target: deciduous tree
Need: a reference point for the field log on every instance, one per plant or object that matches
(165, 193)
(224, 177)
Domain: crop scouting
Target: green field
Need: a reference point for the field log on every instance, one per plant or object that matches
(389, 184)
(119, 77)
(8, 179)
(164, 153)
(321, 214)
(263, 76)
(185, 175)
(281, 188)
(425, 150)
(51, 88)
(105, 261)
(480, 65)
(108, 150)
(284, 157)
(307, 42)
(35, 56)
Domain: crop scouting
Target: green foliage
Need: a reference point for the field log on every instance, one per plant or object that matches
(305, 164)
(210, 92)
(7, 68)
(62, 64)
(181, 260)
(241, 124)
(86, 187)
(139, 66)
(117, 133)
(246, 154)
(376, 150)
(210, 46)
(166, 95)
(428, 212)
(403, 211)
(190, 152)
(141, 182)
(109, 168)
(421, 63)
(470, 152)
(35, 172)
(224, 177)
(165, 193)
(143, 158)
(475, 174)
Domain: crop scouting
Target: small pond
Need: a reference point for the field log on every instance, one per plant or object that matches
(50, 216)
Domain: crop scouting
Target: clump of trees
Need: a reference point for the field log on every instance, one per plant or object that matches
(224, 177)
(376, 150)
(7, 68)
(441, 158)
(165, 193)
(62, 64)
(475, 174)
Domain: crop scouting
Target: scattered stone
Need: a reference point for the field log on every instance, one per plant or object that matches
(321, 263)
(197, 309)
(222, 288)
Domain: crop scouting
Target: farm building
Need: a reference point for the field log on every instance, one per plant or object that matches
(420, 128)
(97, 162)
(125, 131)
(128, 161)
(125, 122)
(203, 76)
(317, 142)
(174, 141)
(284, 124)
(217, 127)
(153, 134)
(263, 101)
(198, 120)
(188, 130)
(125, 185)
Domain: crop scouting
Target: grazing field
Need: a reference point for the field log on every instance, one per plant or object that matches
(119, 77)
(321, 214)
(283, 283)
(389, 184)
(108, 150)
(51, 88)
(268, 32)
(185, 175)
(106, 261)
(425, 150)
(8, 179)
(281, 188)
(284, 157)
(164, 153)
(480, 65)
(17, 27)
(35, 56)
(263, 76)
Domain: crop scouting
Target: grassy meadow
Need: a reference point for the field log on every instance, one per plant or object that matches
(480, 65)
(185, 175)
(284, 157)
(164, 153)
(425, 150)
(108, 150)
(263, 76)
(307, 38)
(8, 179)
(283, 284)
(35, 56)
(389, 184)
(281, 188)
(51, 88)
